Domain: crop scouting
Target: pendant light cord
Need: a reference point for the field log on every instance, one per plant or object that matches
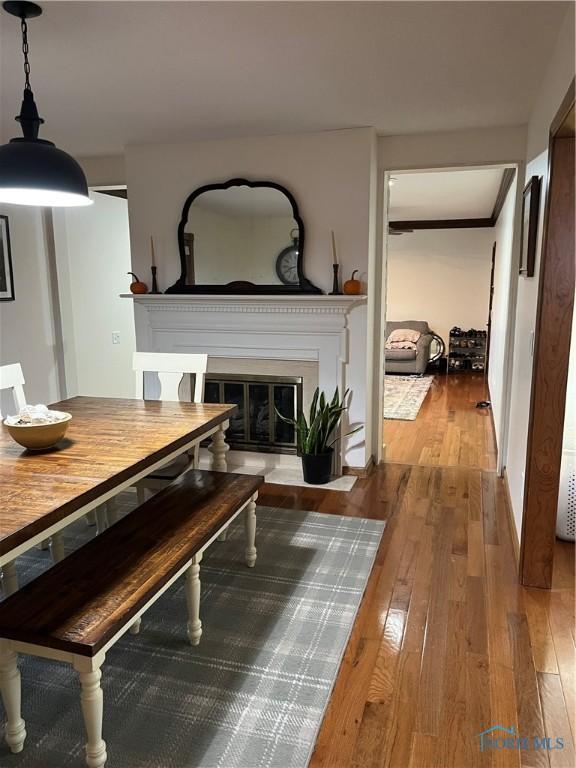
(25, 50)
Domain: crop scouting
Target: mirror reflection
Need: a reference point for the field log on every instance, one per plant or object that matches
(241, 234)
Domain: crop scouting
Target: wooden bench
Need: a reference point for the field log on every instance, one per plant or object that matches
(79, 608)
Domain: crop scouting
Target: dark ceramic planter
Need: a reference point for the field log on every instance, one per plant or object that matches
(317, 468)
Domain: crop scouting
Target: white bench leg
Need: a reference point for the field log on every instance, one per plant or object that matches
(135, 628)
(92, 702)
(57, 547)
(218, 448)
(9, 578)
(111, 512)
(250, 529)
(10, 688)
(193, 600)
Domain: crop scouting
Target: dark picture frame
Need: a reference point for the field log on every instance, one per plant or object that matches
(529, 226)
(6, 272)
(182, 285)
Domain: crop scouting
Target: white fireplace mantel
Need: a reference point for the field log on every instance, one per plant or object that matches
(304, 303)
(303, 328)
(270, 327)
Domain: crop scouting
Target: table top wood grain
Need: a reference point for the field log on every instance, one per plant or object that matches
(109, 440)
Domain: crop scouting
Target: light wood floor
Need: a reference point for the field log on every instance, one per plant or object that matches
(446, 643)
(449, 430)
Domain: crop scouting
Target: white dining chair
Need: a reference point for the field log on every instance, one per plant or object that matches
(170, 369)
(12, 378)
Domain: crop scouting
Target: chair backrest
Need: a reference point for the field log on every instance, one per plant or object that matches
(170, 368)
(11, 377)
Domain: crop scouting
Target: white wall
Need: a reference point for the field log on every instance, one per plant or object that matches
(504, 297)
(104, 170)
(328, 173)
(441, 276)
(521, 387)
(93, 256)
(477, 146)
(331, 175)
(26, 325)
(554, 86)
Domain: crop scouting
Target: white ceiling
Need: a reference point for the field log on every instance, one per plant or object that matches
(467, 194)
(108, 74)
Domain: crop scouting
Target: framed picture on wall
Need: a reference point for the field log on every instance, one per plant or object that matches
(6, 274)
(529, 232)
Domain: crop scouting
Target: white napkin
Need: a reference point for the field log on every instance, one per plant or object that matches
(31, 415)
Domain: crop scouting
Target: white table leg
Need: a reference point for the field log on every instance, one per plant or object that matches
(219, 448)
(193, 600)
(250, 529)
(57, 547)
(111, 512)
(10, 688)
(9, 578)
(92, 702)
(100, 519)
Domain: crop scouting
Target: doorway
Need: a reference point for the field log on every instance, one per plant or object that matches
(92, 248)
(443, 281)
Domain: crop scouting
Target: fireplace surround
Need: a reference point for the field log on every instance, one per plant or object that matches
(287, 330)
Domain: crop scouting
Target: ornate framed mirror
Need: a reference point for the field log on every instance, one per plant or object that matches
(241, 237)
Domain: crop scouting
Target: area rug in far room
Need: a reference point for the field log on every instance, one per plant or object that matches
(404, 395)
(254, 692)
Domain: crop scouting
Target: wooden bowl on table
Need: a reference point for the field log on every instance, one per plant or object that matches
(37, 437)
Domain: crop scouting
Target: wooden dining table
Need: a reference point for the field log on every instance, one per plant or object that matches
(110, 444)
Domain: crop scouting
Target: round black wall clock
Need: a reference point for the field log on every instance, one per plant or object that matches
(287, 263)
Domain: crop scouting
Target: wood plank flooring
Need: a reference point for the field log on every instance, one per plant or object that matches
(449, 430)
(446, 642)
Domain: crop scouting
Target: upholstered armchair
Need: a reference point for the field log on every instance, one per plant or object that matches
(409, 361)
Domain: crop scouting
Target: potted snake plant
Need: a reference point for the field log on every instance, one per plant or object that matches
(317, 435)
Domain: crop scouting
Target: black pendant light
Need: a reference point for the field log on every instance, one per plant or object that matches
(33, 171)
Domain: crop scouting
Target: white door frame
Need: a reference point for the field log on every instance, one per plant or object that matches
(380, 312)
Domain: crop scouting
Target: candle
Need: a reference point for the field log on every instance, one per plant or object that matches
(334, 256)
(152, 249)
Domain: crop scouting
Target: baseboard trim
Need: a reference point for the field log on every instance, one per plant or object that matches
(360, 471)
(494, 433)
(511, 522)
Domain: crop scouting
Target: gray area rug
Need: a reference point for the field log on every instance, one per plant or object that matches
(253, 693)
(404, 395)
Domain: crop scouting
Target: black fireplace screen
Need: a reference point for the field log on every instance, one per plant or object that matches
(256, 426)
